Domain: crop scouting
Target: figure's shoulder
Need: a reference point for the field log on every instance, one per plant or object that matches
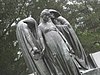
(62, 19)
(21, 24)
(40, 25)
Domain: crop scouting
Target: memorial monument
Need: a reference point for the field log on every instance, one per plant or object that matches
(52, 47)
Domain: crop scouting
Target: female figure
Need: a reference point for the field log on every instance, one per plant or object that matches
(26, 33)
(55, 48)
(66, 29)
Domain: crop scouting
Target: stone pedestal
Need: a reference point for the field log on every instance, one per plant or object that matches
(95, 71)
(96, 58)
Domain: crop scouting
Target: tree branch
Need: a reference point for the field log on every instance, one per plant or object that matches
(9, 26)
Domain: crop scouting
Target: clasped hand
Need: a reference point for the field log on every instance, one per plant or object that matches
(37, 54)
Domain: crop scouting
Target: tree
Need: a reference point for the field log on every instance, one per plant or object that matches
(83, 16)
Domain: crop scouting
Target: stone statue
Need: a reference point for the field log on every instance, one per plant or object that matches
(28, 41)
(52, 47)
(66, 29)
(56, 51)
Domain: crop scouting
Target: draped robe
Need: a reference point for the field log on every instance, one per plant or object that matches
(27, 42)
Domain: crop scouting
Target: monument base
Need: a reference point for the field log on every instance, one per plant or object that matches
(95, 71)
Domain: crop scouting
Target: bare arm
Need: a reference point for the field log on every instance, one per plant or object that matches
(29, 40)
(41, 38)
(34, 50)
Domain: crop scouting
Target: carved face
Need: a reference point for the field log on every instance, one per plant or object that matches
(54, 13)
(45, 18)
(45, 15)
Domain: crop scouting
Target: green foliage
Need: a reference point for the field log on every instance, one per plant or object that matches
(84, 17)
(90, 41)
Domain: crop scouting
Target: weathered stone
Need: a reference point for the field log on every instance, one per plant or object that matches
(95, 71)
(95, 58)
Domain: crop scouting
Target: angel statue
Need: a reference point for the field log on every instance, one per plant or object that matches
(66, 29)
(26, 33)
(55, 47)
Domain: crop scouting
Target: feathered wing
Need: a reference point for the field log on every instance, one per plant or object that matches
(73, 40)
